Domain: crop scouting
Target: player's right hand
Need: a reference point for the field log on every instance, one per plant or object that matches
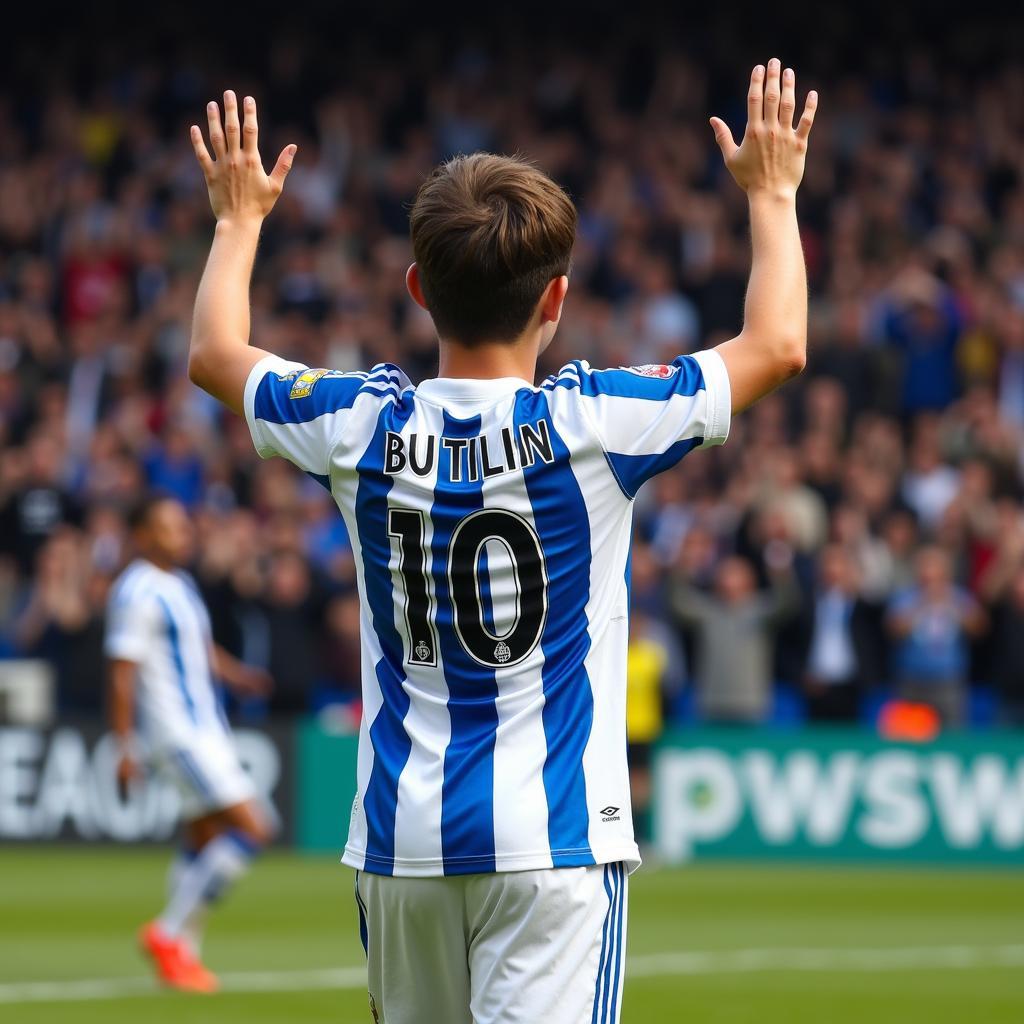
(770, 158)
(239, 187)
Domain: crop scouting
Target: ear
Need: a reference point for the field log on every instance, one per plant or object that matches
(552, 299)
(412, 282)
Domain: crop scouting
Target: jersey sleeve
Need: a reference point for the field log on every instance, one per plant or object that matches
(298, 412)
(649, 417)
(129, 635)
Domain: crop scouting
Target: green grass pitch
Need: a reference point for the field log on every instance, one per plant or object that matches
(708, 944)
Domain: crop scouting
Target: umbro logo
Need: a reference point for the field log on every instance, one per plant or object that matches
(610, 813)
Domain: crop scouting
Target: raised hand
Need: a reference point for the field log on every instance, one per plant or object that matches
(771, 156)
(239, 187)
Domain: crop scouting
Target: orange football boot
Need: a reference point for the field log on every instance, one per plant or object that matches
(176, 966)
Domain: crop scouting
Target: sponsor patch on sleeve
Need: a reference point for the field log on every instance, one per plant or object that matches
(659, 370)
(303, 384)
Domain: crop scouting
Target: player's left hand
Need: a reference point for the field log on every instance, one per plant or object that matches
(239, 187)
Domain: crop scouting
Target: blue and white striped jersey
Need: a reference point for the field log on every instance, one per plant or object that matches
(158, 620)
(490, 521)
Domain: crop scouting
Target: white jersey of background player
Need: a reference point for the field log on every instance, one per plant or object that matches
(164, 668)
(490, 519)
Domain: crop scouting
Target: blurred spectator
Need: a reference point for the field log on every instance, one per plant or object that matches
(929, 485)
(292, 609)
(734, 628)
(342, 654)
(1003, 589)
(842, 649)
(922, 322)
(932, 624)
(174, 467)
(37, 504)
(1008, 650)
(62, 620)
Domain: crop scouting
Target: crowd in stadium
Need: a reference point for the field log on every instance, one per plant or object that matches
(861, 534)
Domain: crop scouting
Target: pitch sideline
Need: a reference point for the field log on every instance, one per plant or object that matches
(645, 965)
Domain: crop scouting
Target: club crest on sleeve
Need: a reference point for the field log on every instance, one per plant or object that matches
(303, 384)
(659, 370)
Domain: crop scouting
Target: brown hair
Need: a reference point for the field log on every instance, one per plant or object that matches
(489, 233)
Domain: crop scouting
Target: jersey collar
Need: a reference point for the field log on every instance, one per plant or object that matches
(466, 389)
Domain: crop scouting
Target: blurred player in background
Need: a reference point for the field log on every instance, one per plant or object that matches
(163, 667)
(490, 519)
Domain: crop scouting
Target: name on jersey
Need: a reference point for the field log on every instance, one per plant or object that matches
(469, 459)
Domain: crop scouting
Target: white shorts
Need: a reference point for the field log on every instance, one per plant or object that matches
(526, 947)
(206, 772)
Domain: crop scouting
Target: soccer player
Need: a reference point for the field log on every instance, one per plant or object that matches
(163, 664)
(490, 519)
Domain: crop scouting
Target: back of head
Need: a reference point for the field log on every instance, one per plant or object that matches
(489, 233)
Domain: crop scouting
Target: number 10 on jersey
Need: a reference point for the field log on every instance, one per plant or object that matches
(526, 586)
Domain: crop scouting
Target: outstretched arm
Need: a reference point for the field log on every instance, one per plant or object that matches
(241, 194)
(769, 165)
